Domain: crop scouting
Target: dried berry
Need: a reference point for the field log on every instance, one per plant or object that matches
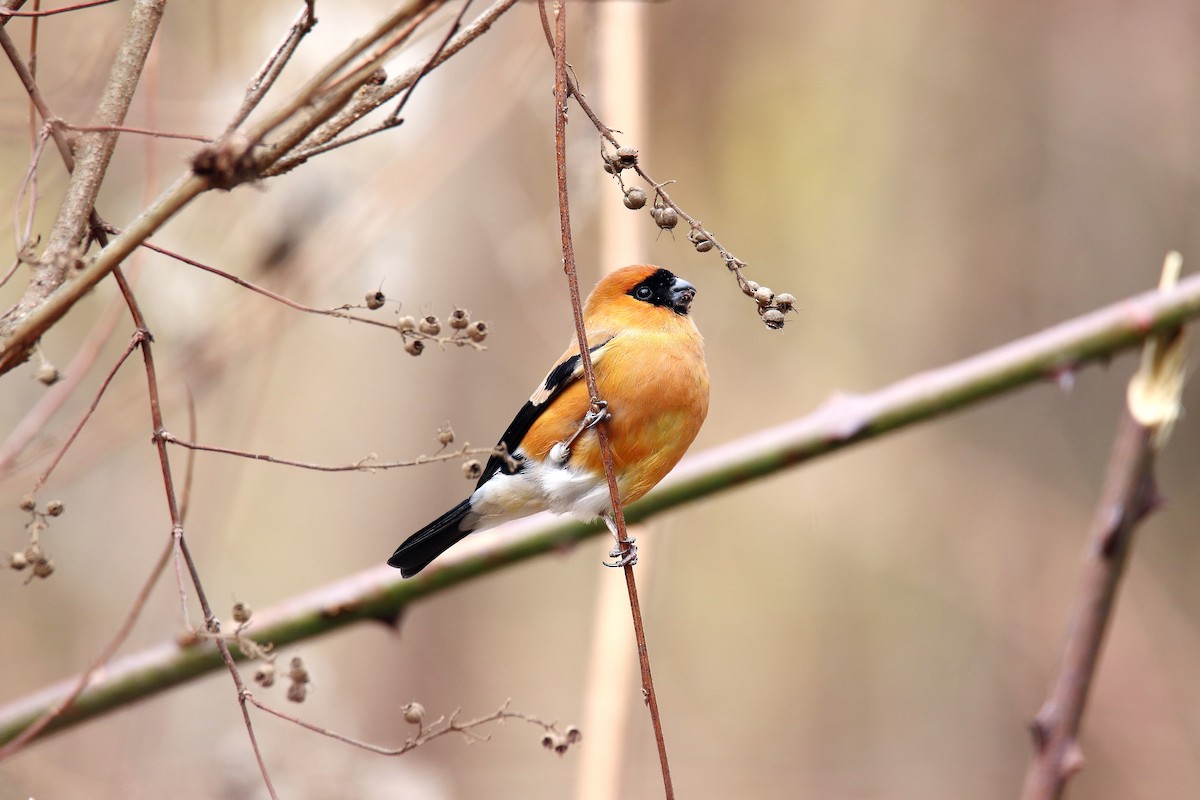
(375, 300)
(414, 347)
(763, 296)
(477, 331)
(264, 676)
(459, 319)
(17, 561)
(626, 158)
(773, 318)
(241, 613)
(445, 435)
(414, 712)
(406, 324)
(472, 469)
(574, 735)
(28, 503)
(43, 568)
(297, 692)
(48, 374)
(297, 672)
(430, 325)
(785, 302)
(55, 508)
(665, 217)
(635, 198)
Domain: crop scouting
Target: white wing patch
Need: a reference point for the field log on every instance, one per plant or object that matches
(540, 486)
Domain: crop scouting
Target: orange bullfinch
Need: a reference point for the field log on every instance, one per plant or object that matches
(650, 373)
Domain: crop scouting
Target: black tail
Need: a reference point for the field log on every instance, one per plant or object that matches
(431, 541)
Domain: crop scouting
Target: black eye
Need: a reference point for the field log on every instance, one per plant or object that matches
(643, 293)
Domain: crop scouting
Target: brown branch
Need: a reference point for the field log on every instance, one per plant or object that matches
(370, 97)
(92, 154)
(211, 624)
(1130, 495)
(568, 250)
(262, 82)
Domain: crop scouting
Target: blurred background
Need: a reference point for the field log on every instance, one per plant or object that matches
(929, 179)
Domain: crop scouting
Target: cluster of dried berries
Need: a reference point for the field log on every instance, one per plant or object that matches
(415, 331)
(559, 742)
(772, 308)
(33, 557)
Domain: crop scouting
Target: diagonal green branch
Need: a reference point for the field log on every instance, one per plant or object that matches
(378, 594)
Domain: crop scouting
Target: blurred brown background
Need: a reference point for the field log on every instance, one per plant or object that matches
(928, 178)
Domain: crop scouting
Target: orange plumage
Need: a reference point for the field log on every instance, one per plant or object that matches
(648, 358)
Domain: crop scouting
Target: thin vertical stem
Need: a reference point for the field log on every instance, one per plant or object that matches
(560, 160)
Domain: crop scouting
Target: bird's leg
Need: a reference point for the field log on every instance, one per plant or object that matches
(561, 451)
(625, 551)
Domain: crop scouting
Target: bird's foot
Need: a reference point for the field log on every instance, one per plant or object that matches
(595, 414)
(625, 556)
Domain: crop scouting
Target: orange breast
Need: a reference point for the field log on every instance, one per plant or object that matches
(656, 385)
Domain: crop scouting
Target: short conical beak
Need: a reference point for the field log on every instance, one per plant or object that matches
(682, 295)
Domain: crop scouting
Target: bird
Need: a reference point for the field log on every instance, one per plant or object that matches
(652, 381)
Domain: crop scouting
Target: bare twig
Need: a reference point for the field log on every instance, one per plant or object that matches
(1130, 494)
(123, 630)
(440, 727)
(368, 464)
(324, 138)
(262, 82)
(568, 250)
(192, 137)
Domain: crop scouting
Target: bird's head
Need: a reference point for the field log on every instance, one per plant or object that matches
(629, 287)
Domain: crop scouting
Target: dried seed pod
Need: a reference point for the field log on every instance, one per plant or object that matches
(785, 302)
(48, 374)
(28, 503)
(17, 561)
(477, 331)
(414, 347)
(430, 325)
(406, 324)
(699, 240)
(445, 435)
(574, 735)
(375, 300)
(264, 676)
(297, 672)
(548, 740)
(472, 469)
(773, 318)
(55, 508)
(414, 712)
(297, 692)
(627, 157)
(241, 613)
(763, 296)
(665, 217)
(635, 198)
(43, 568)
(459, 319)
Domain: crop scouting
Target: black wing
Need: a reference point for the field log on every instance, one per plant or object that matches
(556, 382)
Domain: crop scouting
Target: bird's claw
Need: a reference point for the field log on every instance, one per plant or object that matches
(597, 413)
(625, 556)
